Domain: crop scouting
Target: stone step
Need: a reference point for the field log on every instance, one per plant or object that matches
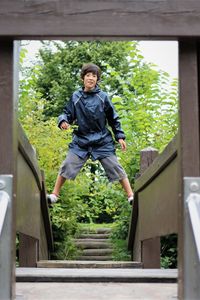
(94, 257)
(88, 264)
(99, 252)
(96, 291)
(96, 230)
(92, 244)
(94, 236)
(92, 240)
(95, 275)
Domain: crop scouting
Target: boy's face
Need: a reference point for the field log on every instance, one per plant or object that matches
(89, 81)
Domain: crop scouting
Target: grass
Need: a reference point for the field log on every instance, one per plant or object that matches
(92, 227)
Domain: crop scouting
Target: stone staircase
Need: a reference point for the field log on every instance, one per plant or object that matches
(94, 252)
(94, 245)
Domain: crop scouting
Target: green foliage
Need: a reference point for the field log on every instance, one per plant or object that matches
(120, 252)
(169, 251)
(146, 101)
(61, 64)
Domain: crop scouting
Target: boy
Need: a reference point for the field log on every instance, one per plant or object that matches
(91, 109)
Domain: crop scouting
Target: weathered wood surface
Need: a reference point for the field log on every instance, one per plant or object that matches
(151, 253)
(28, 254)
(99, 18)
(189, 151)
(158, 204)
(158, 165)
(8, 150)
(28, 200)
(33, 222)
(156, 198)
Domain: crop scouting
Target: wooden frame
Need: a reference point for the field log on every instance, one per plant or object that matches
(165, 19)
(112, 19)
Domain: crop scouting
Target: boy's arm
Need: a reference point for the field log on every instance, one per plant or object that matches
(113, 121)
(68, 116)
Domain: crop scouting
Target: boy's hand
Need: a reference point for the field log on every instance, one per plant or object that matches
(64, 125)
(123, 144)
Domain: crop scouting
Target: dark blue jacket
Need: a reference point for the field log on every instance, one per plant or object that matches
(92, 112)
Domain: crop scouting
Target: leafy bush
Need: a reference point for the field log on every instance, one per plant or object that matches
(169, 251)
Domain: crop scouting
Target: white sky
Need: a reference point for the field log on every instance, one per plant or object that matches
(162, 53)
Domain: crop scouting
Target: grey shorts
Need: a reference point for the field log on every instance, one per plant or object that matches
(73, 164)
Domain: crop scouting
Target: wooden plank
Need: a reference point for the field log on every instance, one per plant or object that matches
(158, 204)
(38, 19)
(147, 156)
(189, 160)
(28, 200)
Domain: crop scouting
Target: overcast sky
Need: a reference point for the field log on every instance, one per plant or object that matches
(162, 53)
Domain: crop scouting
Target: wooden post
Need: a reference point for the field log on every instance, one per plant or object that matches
(147, 156)
(151, 253)
(189, 149)
(142, 251)
(8, 136)
(28, 251)
(150, 249)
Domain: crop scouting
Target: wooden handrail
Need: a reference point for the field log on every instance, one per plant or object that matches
(29, 154)
(33, 220)
(158, 166)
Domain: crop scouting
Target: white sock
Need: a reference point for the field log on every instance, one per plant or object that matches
(53, 198)
(130, 198)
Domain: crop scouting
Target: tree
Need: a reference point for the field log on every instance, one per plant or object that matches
(61, 63)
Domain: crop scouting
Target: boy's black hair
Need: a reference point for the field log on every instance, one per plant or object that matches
(86, 68)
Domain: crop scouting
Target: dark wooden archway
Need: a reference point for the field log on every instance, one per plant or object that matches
(114, 20)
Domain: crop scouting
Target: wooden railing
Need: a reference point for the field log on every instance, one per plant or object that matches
(33, 221)
(155, 209)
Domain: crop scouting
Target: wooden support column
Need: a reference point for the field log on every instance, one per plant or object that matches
(151, 253)
(8, 136)
(150, 249)
(28, 251)
(189, 150)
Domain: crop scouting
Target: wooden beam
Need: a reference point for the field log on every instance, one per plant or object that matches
(8, 137)
(189, 144)
(38, 19)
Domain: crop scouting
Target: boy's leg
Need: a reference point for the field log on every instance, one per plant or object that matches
(126, 186)
(68, 170)
(115, 172)
(59, 182)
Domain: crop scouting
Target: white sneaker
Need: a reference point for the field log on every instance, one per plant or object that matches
(52, 198)
(131, 199)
